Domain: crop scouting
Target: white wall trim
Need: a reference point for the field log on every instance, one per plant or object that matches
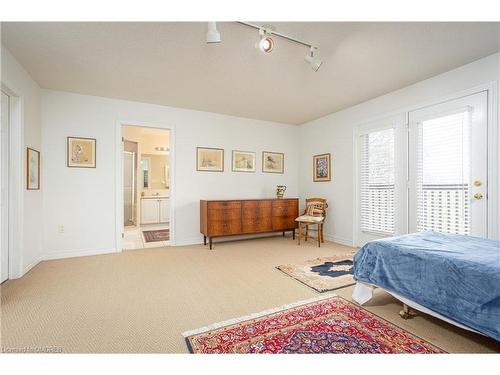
(16, 181)
(28, 267)
(119, 177)
(79, 253)
(339, 240)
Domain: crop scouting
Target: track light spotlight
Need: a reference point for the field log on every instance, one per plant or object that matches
(313, 60)
(266, 43)
(213, 35)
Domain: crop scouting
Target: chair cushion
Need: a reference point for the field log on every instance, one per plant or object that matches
(310, 219)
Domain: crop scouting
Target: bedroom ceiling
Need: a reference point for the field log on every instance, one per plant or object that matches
(169, 63)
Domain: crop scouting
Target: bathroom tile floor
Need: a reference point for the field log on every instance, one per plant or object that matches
(133, 238)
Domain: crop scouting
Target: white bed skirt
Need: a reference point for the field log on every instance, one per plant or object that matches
(364, 292)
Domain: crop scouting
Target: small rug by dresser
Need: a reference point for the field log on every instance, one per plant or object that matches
(322, 274)
(325, 324)
(156, 235)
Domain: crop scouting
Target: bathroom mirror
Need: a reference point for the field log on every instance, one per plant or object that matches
(154, 170)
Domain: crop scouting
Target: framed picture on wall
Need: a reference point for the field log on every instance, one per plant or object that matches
(243, 161)
(273, 162)
(32, 169)
(81, 152)
(209, 159)
(322, 168)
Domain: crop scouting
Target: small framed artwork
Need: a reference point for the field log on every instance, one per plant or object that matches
(273, 162)
(81, 152)
(243, 161)
(209, 159)
(322, 168)
(32, 169)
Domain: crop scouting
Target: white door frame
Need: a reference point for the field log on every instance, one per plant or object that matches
(119, 177)
(493, 153)
(16, 180)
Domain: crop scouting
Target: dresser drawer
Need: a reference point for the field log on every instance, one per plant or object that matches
(284, 214)
(223, 205)
(285, 208)
(256, 216)
(224, 227)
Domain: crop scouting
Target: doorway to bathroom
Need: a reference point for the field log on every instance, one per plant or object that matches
(146, 187)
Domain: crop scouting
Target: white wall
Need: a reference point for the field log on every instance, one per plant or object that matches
(83, 200)
(334, 134)
(18, 82)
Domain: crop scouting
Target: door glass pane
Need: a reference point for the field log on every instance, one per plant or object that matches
(443, 176)
(377, 182)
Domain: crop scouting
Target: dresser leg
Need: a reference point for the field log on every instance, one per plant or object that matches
(283, 234)
(204, 240)
(210, 240)
(293, 234)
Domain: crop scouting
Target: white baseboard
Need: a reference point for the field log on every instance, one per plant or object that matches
(339, 240)
(188, 241)
(27, 268)
(76, 253)
(198, 240)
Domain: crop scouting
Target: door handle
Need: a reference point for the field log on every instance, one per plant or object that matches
(478, 196)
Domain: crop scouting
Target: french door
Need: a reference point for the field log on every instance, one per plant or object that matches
(426, 172)
(448, 167)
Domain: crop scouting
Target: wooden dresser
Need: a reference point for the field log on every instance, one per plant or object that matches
(220, 218)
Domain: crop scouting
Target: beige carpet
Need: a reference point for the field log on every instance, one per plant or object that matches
(142, 300)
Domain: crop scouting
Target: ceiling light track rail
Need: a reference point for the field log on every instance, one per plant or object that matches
(272, 32)
(266, 44)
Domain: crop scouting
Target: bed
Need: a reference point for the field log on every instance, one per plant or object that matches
(453, 277)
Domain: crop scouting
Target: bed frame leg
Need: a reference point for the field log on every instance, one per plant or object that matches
(405, 313)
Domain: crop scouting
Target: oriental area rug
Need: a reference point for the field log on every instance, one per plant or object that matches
(156, 235)
(326, 324)
(322, 274)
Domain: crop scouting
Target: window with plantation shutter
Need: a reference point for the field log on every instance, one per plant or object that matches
(377, 175)
(443, 173)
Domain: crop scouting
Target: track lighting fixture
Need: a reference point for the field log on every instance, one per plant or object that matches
(213, 35)
(266, 43)
(313, 60)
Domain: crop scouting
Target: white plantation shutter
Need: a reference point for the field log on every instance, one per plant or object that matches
(377, 173)
(443, 173)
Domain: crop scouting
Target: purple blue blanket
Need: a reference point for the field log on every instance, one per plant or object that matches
(454, 275)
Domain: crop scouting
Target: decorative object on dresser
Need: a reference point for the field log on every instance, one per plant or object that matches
(322, 167)
(243, 161)
(32, 169)
(209, 159)
(273, 162)
(314, 214)
(219, 218)
(81, 152)
(280, 191)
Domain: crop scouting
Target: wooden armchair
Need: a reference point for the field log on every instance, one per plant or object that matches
(314, 214)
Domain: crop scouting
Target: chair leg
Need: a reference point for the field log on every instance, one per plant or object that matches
(299, 235)
(322, 234)
(319, 235)
(307, 232)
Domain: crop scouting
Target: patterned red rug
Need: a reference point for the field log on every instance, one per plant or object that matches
(156, 235)
(323, 325)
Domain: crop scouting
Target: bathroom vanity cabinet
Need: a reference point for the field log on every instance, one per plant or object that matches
(155, 210)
